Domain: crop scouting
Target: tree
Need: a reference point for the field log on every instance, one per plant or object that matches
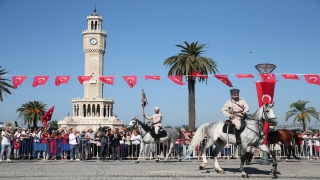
(185, 63)
(4, 86)
(32, 112)
(54, 124)
(302, 113)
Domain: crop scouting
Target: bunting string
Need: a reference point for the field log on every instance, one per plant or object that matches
(178, 79)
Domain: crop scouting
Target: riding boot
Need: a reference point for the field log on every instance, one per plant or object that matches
(248, 158)
(237, 133)
(157, 138)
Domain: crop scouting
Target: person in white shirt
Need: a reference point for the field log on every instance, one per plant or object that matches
(74, 145)
(5, 143)
(135, 141)
(155, 120)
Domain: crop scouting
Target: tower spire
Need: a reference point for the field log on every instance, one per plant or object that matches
(95, 9)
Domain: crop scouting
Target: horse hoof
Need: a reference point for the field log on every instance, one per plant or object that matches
(136, 162)
(179, 160)
(245, 176)
(157, 161)
(165, 161)
(222, 172)
(200, 168)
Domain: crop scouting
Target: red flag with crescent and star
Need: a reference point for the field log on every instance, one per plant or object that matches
(131, 80)
(312, 78)
(83, 78)
(107, 79)
(268, 77)
(244, 75)
(39, 80)
(224, 79)
(197, 74)
(62, 80)
(47, 116)
(147, 77)
(177, 80)
(17, 81)
(290, 76)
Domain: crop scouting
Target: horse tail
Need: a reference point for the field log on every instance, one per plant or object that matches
(297, 140)
(183, 139)
(198, 136)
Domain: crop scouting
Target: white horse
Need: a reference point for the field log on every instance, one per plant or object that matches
(252, 135)
(145, 132)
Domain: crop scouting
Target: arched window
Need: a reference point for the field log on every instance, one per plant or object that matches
(92, 27)
(95, 25)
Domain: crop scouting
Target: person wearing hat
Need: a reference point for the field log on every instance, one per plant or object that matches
(235, 109)
(156, 122)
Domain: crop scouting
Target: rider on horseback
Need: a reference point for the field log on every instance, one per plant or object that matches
(156, 122)
(236, 109)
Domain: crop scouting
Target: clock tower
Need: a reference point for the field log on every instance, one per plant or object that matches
(92, 110)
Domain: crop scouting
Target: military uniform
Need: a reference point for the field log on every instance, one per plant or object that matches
(234, 107)
(156, 122)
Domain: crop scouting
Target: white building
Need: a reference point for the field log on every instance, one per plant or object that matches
(93, 109)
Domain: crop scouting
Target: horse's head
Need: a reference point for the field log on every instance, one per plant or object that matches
(268, 114)
(133, 123)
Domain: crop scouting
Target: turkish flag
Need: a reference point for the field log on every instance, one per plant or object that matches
(224, 79)
(47, 116)
(177, 80)
(244, 75)
(107, 79)
(17, 80)
(131, 80)
(290, 76)
(39, 80)
(265, 91)
(197, 74)
(83, 78)
(62, 80)
(268, 77)
(312, 78)
(152, 77)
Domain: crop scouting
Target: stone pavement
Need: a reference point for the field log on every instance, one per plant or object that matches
(148, 169)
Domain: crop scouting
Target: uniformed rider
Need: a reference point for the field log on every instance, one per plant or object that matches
(236, 109)
(156, 122)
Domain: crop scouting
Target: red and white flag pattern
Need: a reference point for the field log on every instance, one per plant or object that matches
(17, 81)
(290, 76)
(224, 79)
(39, 80)
(131, 80)
(177, 80)
(107, 79)
(83, 78)
(147, 77)
(62, 80)
(197, 74)
(244, 75)
(312, 78)
(47, 116)
(268, 77)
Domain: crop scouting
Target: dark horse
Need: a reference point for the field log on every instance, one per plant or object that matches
(286, 137)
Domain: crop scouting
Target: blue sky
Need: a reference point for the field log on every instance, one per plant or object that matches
(44, 38)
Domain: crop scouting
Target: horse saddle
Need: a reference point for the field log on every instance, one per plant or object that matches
(161, 133)
(229, 127)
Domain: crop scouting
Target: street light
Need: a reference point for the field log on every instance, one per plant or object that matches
(265, 68)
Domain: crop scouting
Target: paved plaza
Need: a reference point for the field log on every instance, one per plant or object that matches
(148, 169)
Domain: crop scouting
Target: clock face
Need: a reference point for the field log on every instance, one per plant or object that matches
(93, 41)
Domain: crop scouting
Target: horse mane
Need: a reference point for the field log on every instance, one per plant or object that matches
(144, 126)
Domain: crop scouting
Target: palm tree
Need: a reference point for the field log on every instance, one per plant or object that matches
(185, 63)
(4, 86)
(32, 112)
(302, 113)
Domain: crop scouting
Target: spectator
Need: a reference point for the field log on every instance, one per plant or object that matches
(74, 145)
(103, 140)
(92, 145)
(5, 143)
(122, 145)
(128, 144)
(65, 147)
(135, 140)
(16, 148)
(115, 144)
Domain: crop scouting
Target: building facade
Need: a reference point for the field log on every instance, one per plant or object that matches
(92, 110)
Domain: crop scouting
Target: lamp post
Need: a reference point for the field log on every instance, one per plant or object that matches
(265, 68)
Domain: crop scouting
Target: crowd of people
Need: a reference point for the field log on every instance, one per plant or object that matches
(106, 143)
